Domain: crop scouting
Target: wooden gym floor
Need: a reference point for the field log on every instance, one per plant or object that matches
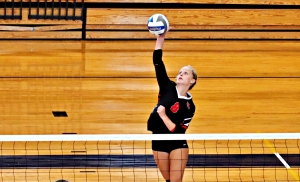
(109, 87)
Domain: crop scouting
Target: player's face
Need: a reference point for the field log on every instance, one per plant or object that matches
(185, 76)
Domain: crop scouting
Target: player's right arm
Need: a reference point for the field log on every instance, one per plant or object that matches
(160, 70)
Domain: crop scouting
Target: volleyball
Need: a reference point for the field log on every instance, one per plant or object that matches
(158, 24)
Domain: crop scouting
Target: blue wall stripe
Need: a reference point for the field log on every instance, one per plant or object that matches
(142, 161)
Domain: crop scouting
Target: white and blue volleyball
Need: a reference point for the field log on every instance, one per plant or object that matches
(158, 24)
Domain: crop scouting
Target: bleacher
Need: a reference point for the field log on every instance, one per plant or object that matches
(127, 19)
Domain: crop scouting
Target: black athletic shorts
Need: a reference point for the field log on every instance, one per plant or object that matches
(168, 145)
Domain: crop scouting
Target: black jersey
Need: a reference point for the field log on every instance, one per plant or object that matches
(179, 109)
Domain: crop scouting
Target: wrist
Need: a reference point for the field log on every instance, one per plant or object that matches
(160, 39)
(163, 117)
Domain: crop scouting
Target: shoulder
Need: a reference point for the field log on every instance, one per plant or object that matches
(170, 85)
(192, 105)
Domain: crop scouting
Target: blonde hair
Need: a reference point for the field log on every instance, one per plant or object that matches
(194, 76)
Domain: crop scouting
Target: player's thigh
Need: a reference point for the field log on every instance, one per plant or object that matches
(178, 161)
(163, 163)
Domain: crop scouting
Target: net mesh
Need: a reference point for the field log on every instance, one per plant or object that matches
(212, 158)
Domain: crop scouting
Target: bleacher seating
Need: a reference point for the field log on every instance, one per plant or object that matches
(190, 19)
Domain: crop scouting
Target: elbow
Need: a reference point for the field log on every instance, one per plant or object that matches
(172, 130)
(179, 128)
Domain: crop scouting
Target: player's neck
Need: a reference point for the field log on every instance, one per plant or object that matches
(182, 90)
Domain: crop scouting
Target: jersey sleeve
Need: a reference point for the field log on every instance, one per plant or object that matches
(160, 70)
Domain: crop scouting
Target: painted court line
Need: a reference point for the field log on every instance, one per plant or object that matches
(287, 166)
(282, 160)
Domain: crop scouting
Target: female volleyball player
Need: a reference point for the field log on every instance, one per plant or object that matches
(172, 114)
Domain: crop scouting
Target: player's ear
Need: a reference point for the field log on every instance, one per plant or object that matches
(193, 81)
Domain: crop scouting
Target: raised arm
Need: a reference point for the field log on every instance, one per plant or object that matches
(160, 42)
(160, 70)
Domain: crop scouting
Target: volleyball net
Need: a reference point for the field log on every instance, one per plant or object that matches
(128, 158)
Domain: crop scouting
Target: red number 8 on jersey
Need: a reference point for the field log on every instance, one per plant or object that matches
(174, 108)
